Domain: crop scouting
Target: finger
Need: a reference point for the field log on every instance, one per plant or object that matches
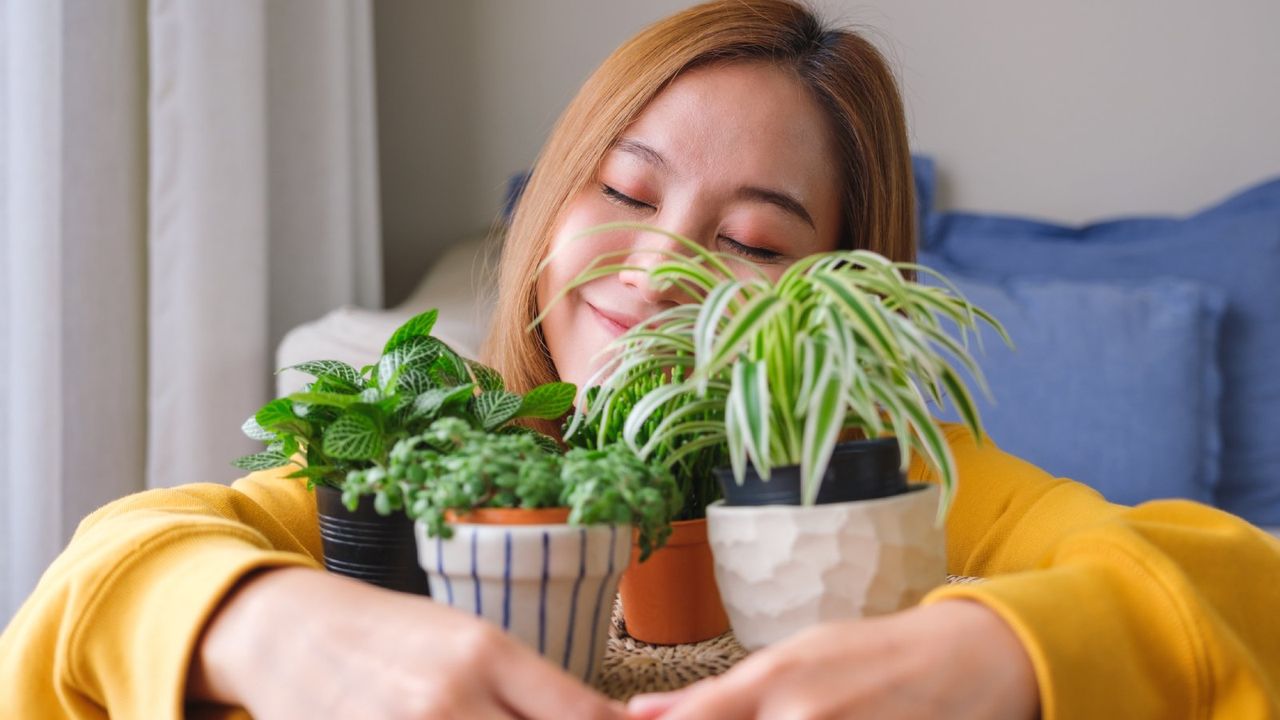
(722, 698)
(536, 689)
(479, 709)
(652, 705)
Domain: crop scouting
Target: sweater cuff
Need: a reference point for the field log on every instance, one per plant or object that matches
(133, 645)
(1090, 645)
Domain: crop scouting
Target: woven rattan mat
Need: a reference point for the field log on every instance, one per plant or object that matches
(632, 667)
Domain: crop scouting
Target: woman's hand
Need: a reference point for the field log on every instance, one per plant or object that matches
(297, 643)
(954, 659)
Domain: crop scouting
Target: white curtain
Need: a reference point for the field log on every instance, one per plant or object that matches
(183, 181)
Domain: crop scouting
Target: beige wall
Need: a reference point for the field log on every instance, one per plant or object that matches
(1067, 110)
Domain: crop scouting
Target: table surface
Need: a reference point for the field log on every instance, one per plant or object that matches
(632, 667)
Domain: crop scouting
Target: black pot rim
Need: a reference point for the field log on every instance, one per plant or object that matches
(855, 457)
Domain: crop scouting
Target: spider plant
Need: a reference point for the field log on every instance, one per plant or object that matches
(778, 369)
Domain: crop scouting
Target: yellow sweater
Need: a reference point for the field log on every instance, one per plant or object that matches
(1169, 609)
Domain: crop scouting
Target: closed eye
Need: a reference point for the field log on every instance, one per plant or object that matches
(750, 252)
(624, 200)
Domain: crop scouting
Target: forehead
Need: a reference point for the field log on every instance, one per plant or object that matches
(751, 122)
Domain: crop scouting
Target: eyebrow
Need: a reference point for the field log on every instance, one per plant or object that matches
(751, 193)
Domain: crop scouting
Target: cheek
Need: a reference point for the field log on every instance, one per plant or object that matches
(572, 337)
(570, 254)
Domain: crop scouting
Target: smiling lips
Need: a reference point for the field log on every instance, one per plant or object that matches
(615, 323)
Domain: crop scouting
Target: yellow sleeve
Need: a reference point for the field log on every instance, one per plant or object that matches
(111, 627)
(1167, 609)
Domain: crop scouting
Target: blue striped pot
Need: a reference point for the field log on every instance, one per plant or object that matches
(551, 586)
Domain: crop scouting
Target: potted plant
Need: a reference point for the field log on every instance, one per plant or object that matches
(842, 344)
(348, 419)
(517, 533)
(671, 597)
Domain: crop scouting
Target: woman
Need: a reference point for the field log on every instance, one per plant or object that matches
(745, 125)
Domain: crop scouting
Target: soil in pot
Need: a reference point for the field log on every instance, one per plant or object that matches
(672, 597)
(859, 470)
(367, 546)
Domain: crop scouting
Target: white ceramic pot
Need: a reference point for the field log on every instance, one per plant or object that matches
(551, 586)
(783, 568)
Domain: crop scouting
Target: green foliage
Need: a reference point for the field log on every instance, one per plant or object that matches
(840, 341)
(548, 402)
(454, 467)
(348, 419)
(688, 457)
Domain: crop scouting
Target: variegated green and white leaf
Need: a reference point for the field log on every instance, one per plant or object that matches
(749, 400)
(823, 420)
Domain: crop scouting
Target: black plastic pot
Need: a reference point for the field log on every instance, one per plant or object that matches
(859, 470)
(367, 546)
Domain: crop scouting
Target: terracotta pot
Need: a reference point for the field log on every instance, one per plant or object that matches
(511, 516)
(549, 584)
(672, 597)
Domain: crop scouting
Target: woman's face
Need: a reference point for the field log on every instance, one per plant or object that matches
(736, 157)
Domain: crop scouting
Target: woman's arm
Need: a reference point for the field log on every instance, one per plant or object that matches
(214, 591)
(115, 618)
(1089, 610)
(1166, 609)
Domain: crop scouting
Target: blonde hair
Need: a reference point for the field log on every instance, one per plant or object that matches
(847, 75)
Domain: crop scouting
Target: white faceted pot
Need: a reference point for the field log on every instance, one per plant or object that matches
(551, 586)
(783, 568)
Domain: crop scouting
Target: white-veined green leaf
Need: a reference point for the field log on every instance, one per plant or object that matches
(414, 379)
(261, 461)
(327, 399)
(278, 417)
(252, 429)
(411, 351)
(495, 407)
(334, 369)
(548, 402)
(418, 326)
(353, 436)
(432, 401)
(486, 377)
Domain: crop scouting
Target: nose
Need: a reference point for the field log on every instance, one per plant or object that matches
(648, 250)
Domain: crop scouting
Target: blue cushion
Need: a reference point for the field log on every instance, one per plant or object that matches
(1112, 384)
(1234, 246)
